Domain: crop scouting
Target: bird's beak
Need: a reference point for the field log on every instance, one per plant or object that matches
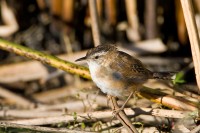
(81, 59)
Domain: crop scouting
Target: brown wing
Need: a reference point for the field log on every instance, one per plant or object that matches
(130, 69)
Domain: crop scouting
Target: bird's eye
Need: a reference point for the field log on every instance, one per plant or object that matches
(96, 57)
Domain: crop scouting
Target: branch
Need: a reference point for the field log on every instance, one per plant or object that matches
(45, 58)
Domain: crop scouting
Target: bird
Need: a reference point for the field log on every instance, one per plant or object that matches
(117, 73)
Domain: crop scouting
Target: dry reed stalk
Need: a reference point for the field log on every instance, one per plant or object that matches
(38, 113)
(68, 10)
(188, 12)
(39, 128)
(42, 5)
(56, 7)
(131, 11)
(88, 117)
(111, 11)
(8, 18)
(16, 98)
(94, 22)
(151, 19)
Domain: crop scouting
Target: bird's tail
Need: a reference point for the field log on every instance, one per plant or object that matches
(164, 75)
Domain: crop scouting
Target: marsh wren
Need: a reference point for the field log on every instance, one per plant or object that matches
(117, 73)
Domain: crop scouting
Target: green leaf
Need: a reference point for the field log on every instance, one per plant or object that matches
(83, 125)
(179, 79)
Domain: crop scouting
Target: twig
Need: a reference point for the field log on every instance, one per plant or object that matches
(94, 22)
(188, 12)
(45, 58)
(98, 114)
(16, 98)
(38, 128)
(121, 116)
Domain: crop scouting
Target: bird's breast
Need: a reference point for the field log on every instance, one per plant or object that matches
(103, 78)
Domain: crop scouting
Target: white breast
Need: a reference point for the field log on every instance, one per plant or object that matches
(101, 80)
(94, 67)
